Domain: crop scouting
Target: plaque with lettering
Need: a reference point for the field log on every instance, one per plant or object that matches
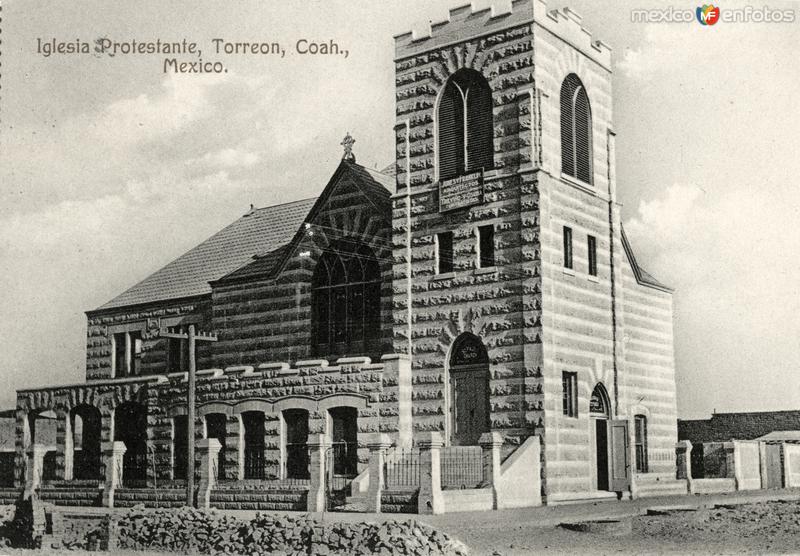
(461, 192)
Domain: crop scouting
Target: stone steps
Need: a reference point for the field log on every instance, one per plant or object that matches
(71, 496)
(9, 495)
(273, 499)
(399, 501)
(150, 498)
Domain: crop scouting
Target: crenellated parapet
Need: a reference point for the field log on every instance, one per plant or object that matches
(469, 21)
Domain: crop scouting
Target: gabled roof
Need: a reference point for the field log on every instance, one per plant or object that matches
(256, 243)
(376, 188)
(258, 231)
(781, 436)
(643, 277)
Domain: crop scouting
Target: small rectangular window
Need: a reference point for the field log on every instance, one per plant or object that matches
(567, 247)
(592, 248)
(120, 355)
(177, 354)
(444, 252)
(569, 384)
(136, 352)
(485, 246)
(640, 425)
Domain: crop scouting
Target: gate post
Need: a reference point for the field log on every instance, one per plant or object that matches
(317, 499)
(683, 459)
(378, 444)
(683, 462)
(113, 452)
(491, 442)
(35, 468)
(208, 451)
(430, 499)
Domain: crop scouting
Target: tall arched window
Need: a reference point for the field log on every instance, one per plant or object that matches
(465, 125)
(346, 300)
(576, 130)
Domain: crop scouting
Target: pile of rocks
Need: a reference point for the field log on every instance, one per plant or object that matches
(197, 531)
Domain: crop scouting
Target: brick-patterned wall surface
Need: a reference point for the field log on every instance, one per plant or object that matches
(501, 306)
(270, 319)
(153, 359)
(722, 427)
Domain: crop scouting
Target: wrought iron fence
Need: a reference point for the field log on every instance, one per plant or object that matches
(401, 468)
(297, 459)
(462, 467)
(86, 465)
(254, 464)
(134, 469)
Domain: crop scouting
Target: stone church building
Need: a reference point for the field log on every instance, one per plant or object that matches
(483, 283)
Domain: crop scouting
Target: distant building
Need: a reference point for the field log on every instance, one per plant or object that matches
(722, 427)
(483, 284)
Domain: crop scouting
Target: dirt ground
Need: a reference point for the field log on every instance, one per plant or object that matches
(758, 528)
(692, 526)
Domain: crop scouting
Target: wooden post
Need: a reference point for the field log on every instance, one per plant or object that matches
(192, 338)
(190, 400)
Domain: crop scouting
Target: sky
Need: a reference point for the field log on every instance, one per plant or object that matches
(110, 168)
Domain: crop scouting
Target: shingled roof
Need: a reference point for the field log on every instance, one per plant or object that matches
(375, 186)
(258, 231)
(265, 231)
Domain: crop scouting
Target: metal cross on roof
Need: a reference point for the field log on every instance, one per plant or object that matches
(347, 143)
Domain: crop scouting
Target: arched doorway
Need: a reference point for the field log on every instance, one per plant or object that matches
(85, 420)
(469, 390)
(600, 413)
(130, 427)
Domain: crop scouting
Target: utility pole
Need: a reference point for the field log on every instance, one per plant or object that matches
(193, 337)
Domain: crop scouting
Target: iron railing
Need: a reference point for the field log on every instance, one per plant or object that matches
(134, 469)
(86, 465)
(254, 464)
(462, 467)
(401, 468)
(297, 459)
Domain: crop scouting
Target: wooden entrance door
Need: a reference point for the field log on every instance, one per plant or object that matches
(469, 387)
(618, 455)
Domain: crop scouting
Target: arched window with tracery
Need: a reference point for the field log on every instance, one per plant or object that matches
(576, 130)
(346, 300)
(465, 125)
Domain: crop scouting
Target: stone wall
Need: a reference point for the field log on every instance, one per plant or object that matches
(722, 427)
(153, 360)
(264, 318)
(501, 305)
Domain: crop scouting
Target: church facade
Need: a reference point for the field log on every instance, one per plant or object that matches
(481, 284)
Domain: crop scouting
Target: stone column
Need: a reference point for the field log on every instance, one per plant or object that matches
(317, 446)
(378, 444)
(33, 472)
(113, 453)
(208, 452)
(430, 499)
(234, 448)
(64, 448)
(491, 442)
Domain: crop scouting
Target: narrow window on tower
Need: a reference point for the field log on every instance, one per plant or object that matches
(640, 433)
(592, 250)
(465, 125)
(569, 385)
(444, 252)
(486, 246)
(576, 130)
(567, 247)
